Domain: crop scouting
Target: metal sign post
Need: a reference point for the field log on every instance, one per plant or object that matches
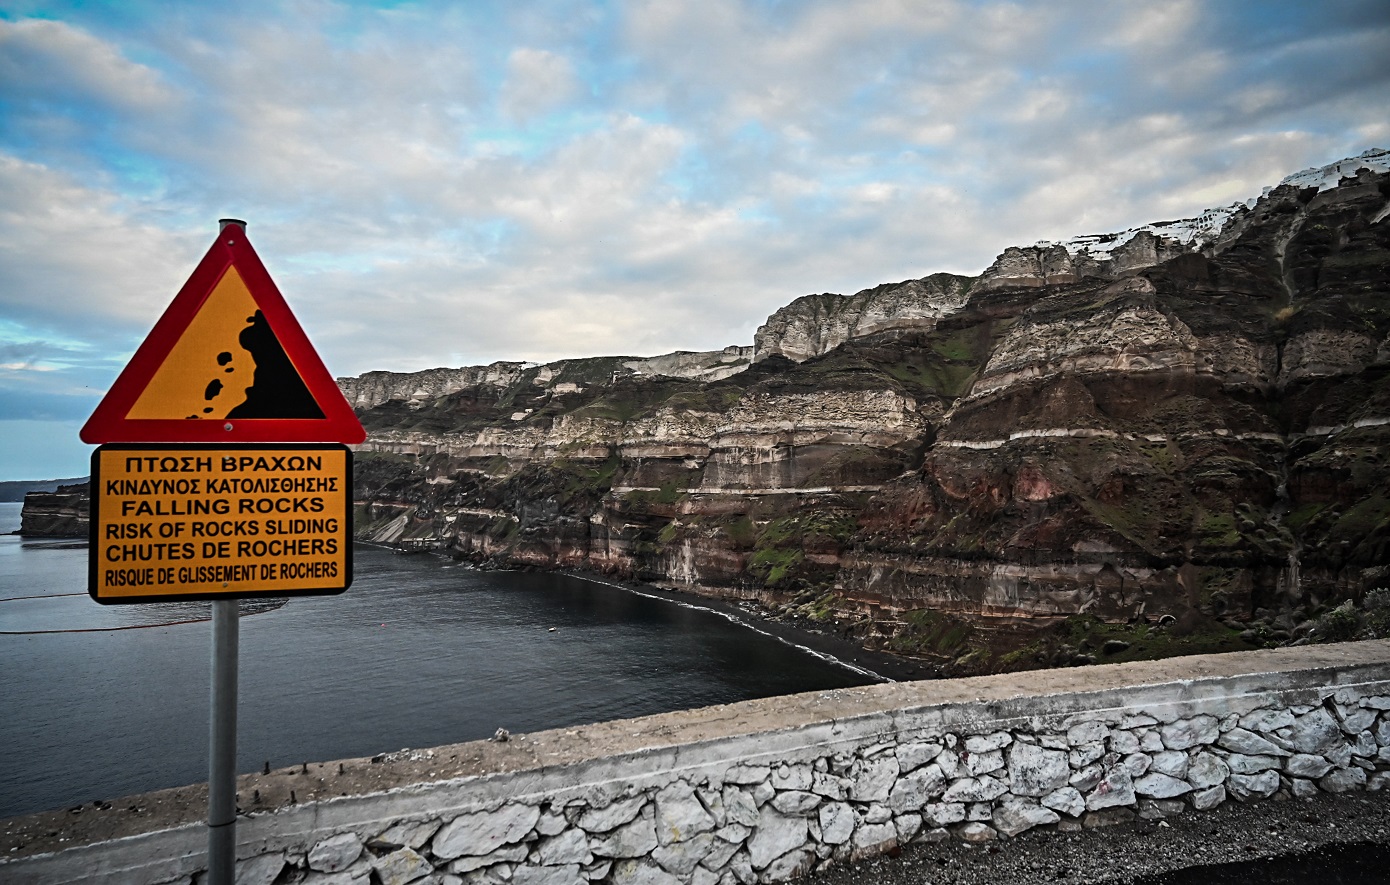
(226, 639)
(212, 480)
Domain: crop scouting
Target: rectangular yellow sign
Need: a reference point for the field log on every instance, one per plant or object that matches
(207, 522)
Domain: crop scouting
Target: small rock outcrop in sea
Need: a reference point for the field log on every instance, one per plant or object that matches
(58, 514)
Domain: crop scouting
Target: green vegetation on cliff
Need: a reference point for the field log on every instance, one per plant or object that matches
(1024, 471)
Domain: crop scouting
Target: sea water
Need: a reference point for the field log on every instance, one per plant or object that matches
(104, 701)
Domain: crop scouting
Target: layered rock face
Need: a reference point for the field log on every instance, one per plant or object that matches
(817, 324)
(58, 514)
(1054, 264)
(414, 388)
(1185, 432)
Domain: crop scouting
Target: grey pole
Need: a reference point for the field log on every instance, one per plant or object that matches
(226, 641)
(222, 746)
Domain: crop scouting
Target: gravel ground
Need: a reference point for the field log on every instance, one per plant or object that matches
(1347, 834)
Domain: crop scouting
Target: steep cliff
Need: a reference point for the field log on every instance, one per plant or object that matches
(1185, 426)
(817, 324)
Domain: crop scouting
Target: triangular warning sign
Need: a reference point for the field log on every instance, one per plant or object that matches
(226, 363)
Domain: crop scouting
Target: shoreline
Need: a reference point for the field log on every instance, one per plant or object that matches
(877, 665)
(881, 666)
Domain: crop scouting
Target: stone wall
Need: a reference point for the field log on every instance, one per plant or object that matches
(766, 790)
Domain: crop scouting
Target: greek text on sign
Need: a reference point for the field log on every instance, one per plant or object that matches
(204, 522)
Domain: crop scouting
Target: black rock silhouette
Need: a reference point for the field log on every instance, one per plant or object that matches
(276, 389)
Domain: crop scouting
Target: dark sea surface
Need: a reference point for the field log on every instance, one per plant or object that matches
(419, 652)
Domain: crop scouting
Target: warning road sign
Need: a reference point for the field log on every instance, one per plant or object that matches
(226, 363)
(208, 522)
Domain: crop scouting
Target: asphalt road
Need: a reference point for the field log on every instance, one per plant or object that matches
(1329, 840)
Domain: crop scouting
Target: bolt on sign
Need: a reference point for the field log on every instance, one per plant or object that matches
(222, 471)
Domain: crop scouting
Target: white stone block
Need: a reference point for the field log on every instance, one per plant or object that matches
(1116, 787)
(976, 832)
(984, 763)
(1209, 798)
(739, 807)
(1239, 740)
(401, 867)
(939, 814)
(1087, 733)
(1253, 786)
(975, 789)
(680, 814)
(1137, 764)
(791, 777)
(1085, 754)
(1207, 770)
(1315, 732)
(570, 847)
(1355, 720)
(1342, 780)
(1266, 719)
(1123, 743)
(1185, 734)
(1085, 779)
(775, 835)
(988, 743)
(720, 852)
(914, 755)
(796, 802)
(509, 854)
(907, 826)
(1035, 770)
(1067, 800)
(916, 789)
(837, 822)
(680, 858)
(641, 872)
(874, 780)
(482, 832)
(336, 853)
(792, 865)
(1239, 763)
(1014, 816)
(1156, 785)
(601, 820)
(830, 786)
(636, 838)
(260, 870)
(1306, 765)
(1173, 763)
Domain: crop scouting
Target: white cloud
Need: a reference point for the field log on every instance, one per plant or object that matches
(42, 60)
(82, 259)
(537, 81)
(1147, 26)
(443, 183)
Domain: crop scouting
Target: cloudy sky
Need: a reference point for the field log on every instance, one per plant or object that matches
(449, 183)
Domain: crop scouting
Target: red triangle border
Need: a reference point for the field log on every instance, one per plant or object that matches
(109, 424)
